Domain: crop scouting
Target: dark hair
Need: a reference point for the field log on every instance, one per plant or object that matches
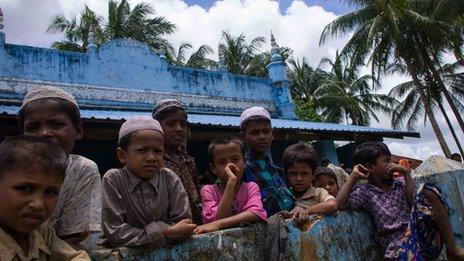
(164, 113)
(325, 162)
(324, 171)
(21, 152)
(300, 152)
(64, 106)
(224, 141)
(125, 141)
(245, 124)
(455, 155)
(369, 152)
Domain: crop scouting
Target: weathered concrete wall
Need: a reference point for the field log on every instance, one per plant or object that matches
(347, 236)
(128, 65)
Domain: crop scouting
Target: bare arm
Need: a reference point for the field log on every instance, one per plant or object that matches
(410, 186)
(343, 195)
(327, 207)
(245, 216)
(225, 204)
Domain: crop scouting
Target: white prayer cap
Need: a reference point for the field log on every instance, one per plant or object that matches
(47, 92)
(166, 104)
(136, 123)
(255, 112)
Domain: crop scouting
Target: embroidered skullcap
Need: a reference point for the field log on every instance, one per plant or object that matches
(255, 112)
(46, 92)
(136, 123)
(166, 104)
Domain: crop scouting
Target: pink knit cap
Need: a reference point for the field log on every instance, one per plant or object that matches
(254, 112)
(136, 123)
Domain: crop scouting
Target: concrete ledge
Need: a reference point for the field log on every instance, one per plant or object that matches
(347, 236)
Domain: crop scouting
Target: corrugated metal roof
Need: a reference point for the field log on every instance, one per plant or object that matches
(234, 121)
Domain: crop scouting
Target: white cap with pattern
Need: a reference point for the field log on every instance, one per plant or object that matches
(47, 92)
(136, 123)
(254, 112)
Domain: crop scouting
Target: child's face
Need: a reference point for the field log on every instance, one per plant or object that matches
(28, 198)
(224, 154)
(43, 119)
(175, 129)
(144, 155)
(258, 136)
(327, 183)
(299, 176)
(379, 169)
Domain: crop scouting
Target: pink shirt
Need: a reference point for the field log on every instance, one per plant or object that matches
(248, 198)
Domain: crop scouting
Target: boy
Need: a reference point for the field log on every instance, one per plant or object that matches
(255, 125)
(232, 201)
(412, 225)
(325, 178)
(299, 162)
(54, 114)
(31, 173)
(173, 119)
(154, 197)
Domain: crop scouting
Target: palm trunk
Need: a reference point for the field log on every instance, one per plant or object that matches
(428, 110)
(450, 126)
(441, 85)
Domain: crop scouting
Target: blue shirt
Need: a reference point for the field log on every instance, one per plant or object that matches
(275, 194)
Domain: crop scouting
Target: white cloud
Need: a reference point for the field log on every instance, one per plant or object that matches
(299, 28)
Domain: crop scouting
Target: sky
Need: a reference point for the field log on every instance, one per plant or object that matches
(295, 23)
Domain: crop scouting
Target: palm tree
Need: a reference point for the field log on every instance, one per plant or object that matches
(385, 32)
(123, 22)
(76, 33)
(236, 53)
(126, 23)
(198, 58)
(412, 107)
(304, 81)
(345, 96)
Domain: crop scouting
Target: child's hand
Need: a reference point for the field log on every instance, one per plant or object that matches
(298, 212)
(232, 172)
(207, 228)
(360, 172)
(392, 168)
(180, 231)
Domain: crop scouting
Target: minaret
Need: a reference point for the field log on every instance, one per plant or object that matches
(280, 83)
(92, 47)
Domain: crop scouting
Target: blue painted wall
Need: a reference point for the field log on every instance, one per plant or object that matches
(131, 65)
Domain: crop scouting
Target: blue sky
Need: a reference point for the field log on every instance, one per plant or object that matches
(336, 6)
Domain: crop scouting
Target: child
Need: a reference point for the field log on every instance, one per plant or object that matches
(342, 176)
(53, 113)
(299, 165)
(155, 209)
(173, 119)
(232, 201)
(255, 125)
(325, 178)
(31, 173)
(410, 224)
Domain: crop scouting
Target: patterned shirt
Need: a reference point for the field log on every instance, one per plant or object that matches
(313, 196)
(43, 245)
(185, 168)
(275, 194)
(78, 209)
(390, 210)
(136, 211)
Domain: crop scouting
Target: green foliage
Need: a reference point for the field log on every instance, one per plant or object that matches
(305, 110)
(123, 22)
